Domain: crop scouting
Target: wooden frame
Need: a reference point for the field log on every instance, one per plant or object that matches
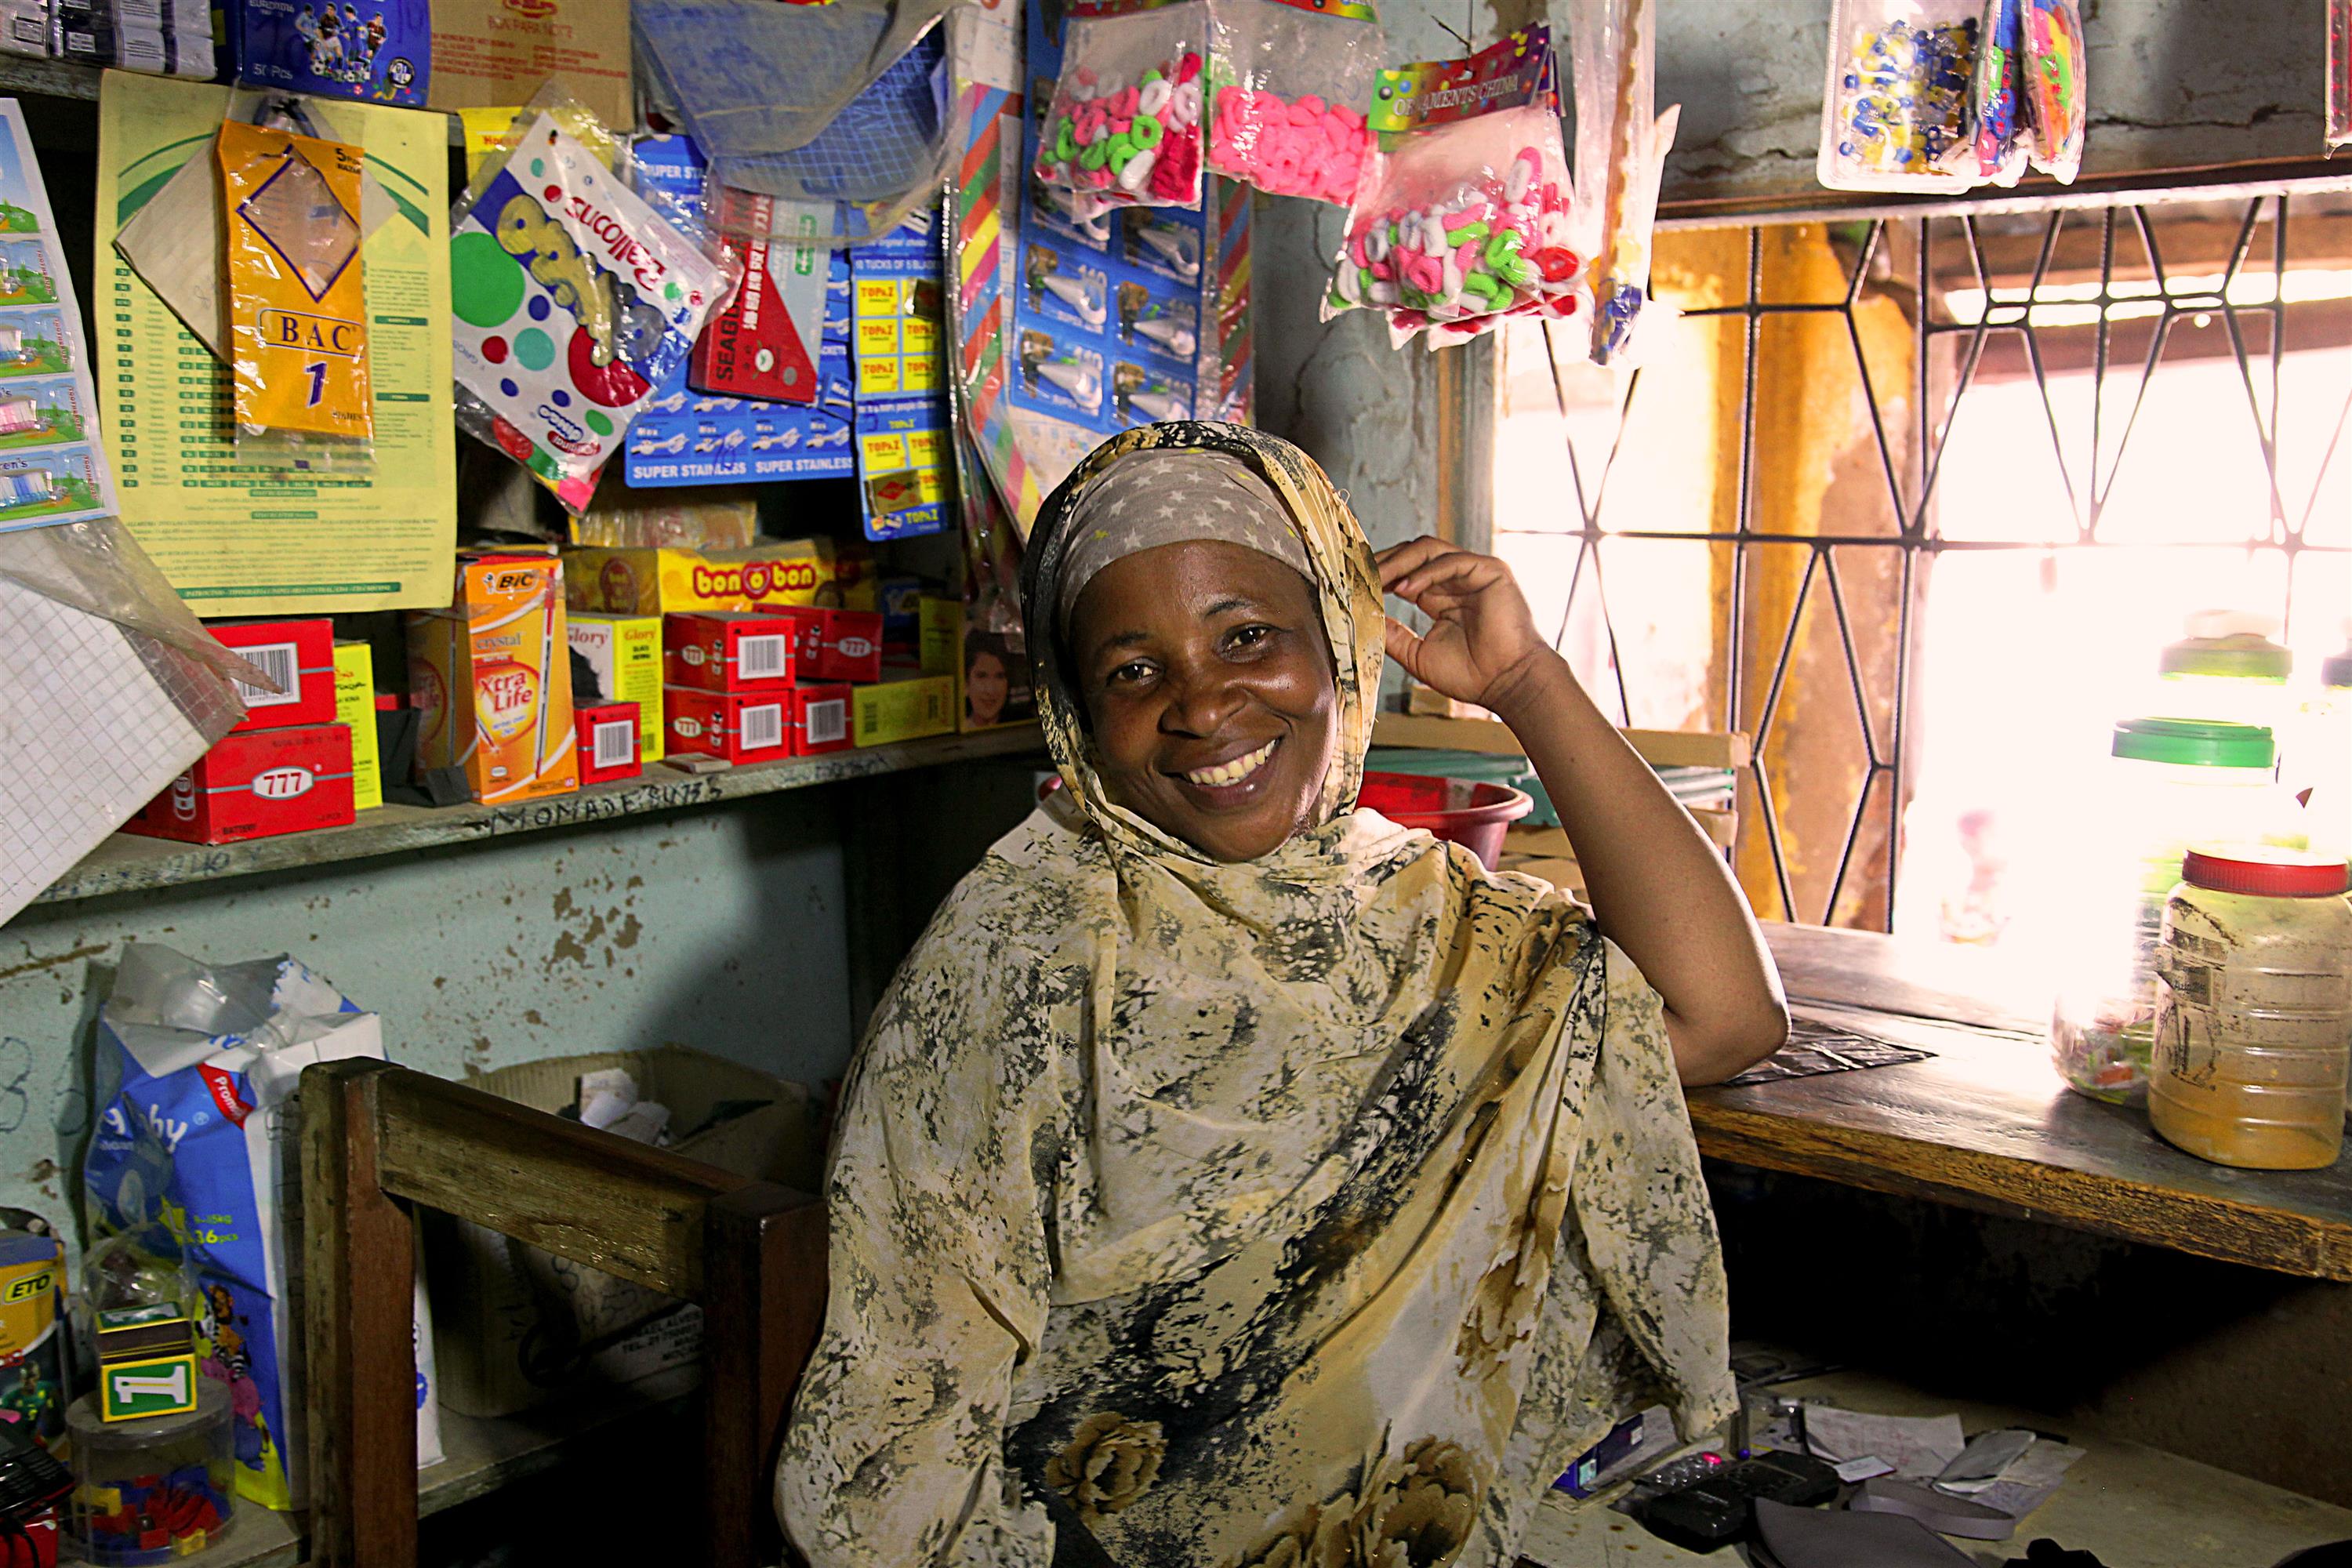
(375, 1135)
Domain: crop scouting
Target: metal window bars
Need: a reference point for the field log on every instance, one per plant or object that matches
(2088, 469)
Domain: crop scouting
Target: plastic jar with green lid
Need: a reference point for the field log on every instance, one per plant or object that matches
(2253, 1018)
(2170, 783)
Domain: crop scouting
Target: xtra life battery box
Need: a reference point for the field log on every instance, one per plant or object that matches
(256, 784)
(356, 711)
(298, 656)
(734, 726)
(838, 644)
(821, 719)
(608, 741)
(625, 654)
(491, 678)
(733, 651)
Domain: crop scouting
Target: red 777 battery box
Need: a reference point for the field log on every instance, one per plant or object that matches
(299, 655)
(741, 727)
(256, 784)
(722, 650)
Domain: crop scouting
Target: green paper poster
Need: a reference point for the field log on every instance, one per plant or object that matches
(240, 539)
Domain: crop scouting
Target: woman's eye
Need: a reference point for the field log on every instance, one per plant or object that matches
(1130, 673)
(1249, 636)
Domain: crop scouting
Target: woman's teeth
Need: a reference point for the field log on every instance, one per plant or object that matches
(1233, 772)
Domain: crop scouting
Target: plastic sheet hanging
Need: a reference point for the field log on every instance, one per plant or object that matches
(1621, 142)
(839, 110)
(2339, 74)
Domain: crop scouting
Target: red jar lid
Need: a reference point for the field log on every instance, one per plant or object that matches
(2266, 873)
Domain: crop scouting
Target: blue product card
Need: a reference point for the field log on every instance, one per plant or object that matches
(904, 480)
(685, 437)
(377, 51)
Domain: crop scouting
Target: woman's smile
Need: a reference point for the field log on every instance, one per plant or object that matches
(1224, 783)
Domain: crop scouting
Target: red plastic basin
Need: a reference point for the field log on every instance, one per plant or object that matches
(1463, 811)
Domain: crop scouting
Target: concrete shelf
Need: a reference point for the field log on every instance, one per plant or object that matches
(126, 864)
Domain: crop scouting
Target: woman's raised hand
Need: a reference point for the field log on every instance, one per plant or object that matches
(1482, 642)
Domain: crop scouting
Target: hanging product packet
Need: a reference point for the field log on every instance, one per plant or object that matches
(296, 299)
(1288, 84)
(1465, 213)
(2055, 86)
(1124, 126)
(575, 296)
(1620, 154)
(1895, 110)
(1997, 102)
(2339, 74)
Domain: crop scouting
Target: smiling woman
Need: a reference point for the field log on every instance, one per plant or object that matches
(1232, 1176)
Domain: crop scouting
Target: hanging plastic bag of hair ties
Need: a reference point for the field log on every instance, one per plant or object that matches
(1621, 151)
(1465, 215)
(2339, 73)
(1288, 83)
(1124, 126)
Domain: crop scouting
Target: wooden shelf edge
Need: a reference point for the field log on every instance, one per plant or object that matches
(2274, 1239)
(125, 863)
(1659, 748)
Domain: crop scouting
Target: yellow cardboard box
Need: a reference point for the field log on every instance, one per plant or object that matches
(625, 651)
(991, 669)
(657, 581)
(904, 705)
(355, 707)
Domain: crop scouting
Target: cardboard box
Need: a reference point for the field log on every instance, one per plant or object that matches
(905, 705)
(839, 645)
(652, 582)
(739, 728)
(730, 650)
(493, 52)
(356, 711)
(821, 719)
(491, 679)
(502, 1340)
(625, 652)
(991, 669)
(256, 784)
(299, 655)
(608, 743)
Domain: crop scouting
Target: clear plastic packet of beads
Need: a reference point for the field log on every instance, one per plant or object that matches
(2052, 95)
(1896, 101)
(1124, 126)
(1467, 213)
(1288, 84)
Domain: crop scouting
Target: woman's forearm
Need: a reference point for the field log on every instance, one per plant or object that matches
(1658, 887)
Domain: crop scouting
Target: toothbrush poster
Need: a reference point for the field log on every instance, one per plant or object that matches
(52, 468)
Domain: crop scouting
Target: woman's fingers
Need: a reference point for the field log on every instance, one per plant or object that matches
(1404, 647)
(1465, 574)
(1398, 560)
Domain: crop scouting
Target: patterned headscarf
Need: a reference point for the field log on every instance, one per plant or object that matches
(1152, 499)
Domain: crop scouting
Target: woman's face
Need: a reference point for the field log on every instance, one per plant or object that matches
(984, 686)
(1207, 677)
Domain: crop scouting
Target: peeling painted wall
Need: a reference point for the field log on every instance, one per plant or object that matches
(690, 929)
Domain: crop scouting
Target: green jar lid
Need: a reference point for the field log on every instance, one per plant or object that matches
(2195, 742)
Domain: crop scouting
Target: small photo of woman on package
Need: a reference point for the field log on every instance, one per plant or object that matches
(995, 681)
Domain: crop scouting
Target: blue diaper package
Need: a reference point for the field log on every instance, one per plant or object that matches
(198, 1068)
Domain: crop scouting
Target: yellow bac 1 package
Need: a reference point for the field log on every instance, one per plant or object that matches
(296, 305)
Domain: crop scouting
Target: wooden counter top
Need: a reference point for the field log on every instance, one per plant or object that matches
(1986, 1124)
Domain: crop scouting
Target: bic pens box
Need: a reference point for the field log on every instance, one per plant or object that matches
(491, 679)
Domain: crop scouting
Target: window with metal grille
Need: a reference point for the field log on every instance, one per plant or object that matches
(1915, 503)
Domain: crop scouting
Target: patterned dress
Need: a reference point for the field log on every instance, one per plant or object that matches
(1313, 1211)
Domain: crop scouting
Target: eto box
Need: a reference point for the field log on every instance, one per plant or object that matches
(256, 785)
(738, 727)
(299, 655)
(721, 651)
(608, 743)
(840, 645)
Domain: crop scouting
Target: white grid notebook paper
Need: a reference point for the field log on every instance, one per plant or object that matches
(89, 734)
